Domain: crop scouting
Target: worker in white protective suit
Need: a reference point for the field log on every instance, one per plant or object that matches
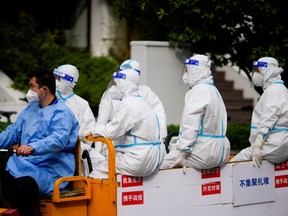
(66, 77)
(202, 141)
(105, 107)
(269, 124)
(134, 129)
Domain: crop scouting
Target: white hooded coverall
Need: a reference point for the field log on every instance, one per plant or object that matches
(79, 106)
(105, 107)
(270, 116)
(135, 132)
(203, 124)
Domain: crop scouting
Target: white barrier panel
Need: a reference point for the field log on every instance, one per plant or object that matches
(251, 185)
(235, 189)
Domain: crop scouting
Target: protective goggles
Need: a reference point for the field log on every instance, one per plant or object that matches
(191, 62)
(259, 64)
(118, 75)
(128, 66)
(63, 75)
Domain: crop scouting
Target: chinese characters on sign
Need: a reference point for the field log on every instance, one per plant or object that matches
(131, 181)
(252, 182)
(281, 180)
(281, 166)
(211, 187)
(132, 198)
(210, 173)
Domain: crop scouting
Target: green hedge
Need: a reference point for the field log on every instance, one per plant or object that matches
(3, 156)
(23, 48)
(3, 125)
(237, 134)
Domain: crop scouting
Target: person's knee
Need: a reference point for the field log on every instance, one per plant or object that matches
(25, 195)
(26, 185)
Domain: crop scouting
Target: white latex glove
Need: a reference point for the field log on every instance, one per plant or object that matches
(84, 133)
(99, 146)
(180, 161)
(256, 151)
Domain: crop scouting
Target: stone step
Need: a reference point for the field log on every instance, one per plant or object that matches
(237, 103)
(224, 85)
(239, 109)
(218, 76)
(239, 116)
(236, 94)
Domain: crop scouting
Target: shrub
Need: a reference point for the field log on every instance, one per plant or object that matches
(3, 156)
(23, 48)
(237, 134)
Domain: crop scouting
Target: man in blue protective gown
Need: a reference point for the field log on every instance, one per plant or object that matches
(47, 132)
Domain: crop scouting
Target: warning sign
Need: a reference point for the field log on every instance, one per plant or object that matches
(132, 198)
(281, 181)
(210, 173)
(211, 188)
(131, 181)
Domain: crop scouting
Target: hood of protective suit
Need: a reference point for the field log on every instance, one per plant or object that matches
(271, 73)
(198, 70)
(131, 64)
(127, 82)
(68, 77)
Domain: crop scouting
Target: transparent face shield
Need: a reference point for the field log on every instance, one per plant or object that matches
(115, 75)
(257, 65)
(256, 74)
(184, 77)
(58, 74)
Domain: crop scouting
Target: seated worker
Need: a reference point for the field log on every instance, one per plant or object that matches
(105, 107)
(67, 76)
(269, 124)
(134, 129)
(202, 141)
(46, 131)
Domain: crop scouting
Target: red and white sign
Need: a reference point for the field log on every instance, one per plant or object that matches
(281, 166)
(210, 173)
(281, 181)
(133, 198)
(131, 181)
(211, 188)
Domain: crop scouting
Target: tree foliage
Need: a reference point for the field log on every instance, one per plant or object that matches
(231, 31)
(22, 48)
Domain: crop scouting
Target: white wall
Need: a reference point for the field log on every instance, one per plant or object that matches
(162, 66)
(77, 36)
(107, 30)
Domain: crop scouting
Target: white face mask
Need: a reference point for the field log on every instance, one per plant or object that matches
(65, 87)
(32, 96)
(191, 79)
(257, 79)
(115, 93)
(185, 78)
